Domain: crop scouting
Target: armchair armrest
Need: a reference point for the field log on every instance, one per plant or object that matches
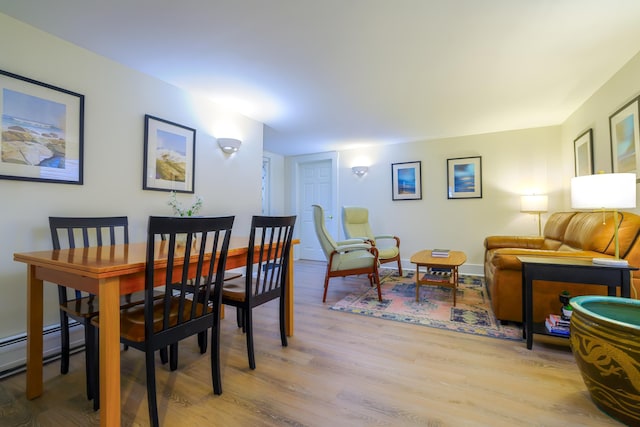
(353, 247)
(353, 241)
(522, 242)
(388, 237)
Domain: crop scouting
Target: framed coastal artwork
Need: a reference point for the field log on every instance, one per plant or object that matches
(625, 140)
(42, 131)
(583, 153)
(464, 178)
(169, 156)
(406, 181)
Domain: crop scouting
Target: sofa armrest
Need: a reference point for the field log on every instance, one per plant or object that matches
(507, 259)
(524, 242)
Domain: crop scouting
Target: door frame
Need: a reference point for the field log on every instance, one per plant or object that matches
(295, 163)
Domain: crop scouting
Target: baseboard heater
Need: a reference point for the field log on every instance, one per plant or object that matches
(13, 349)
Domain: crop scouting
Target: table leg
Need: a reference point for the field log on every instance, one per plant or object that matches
(289, 298)
(417, 282)
(34, 333)
(109, 297)
(455, 284)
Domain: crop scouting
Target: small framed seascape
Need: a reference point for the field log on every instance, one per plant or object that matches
(464, 178)
(406, 181)
(42, 131)
(625, 138)
(169, 156)
(583, 152)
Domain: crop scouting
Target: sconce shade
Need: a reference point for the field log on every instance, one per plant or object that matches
(534, 203)
(229, 145)
(360, 170)
(604, 191)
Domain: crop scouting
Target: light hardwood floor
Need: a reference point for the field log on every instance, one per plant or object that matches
(339, 370)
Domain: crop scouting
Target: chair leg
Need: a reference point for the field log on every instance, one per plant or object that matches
(64, 343)
(95, 383)
(173, 356)
(239, 318)
(326, 286)
(164, 355)
(151, 388)
(89, 340)
(202, 342)
(248, 323)
(283, 333)
(216, 376)
(376, 277)
(399, 268)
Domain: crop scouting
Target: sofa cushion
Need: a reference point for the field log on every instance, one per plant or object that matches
(555, 229)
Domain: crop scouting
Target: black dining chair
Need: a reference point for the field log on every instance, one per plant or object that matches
(82, 232)
(266, 274)
(193, 290)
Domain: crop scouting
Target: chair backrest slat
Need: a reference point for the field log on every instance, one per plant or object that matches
(195, 249)
(86, 231)
(270, 244)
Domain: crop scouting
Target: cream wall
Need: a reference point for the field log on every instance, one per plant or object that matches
(513, 163)
(116, 100)
(594, 114)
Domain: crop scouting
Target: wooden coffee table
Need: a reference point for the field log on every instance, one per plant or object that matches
(451, 263)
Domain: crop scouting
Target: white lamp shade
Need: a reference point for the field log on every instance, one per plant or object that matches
(604, 191)
(534, 203)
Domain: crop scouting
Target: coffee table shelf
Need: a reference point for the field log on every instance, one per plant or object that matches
(451, 263)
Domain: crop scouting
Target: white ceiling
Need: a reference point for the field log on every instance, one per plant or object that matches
(337, 74)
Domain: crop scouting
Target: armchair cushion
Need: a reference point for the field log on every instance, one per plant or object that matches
(350, 260)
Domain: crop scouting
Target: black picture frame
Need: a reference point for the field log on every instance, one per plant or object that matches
(42, 131)
(464, 178)
(406, 181)
(583, 153)
(624, 133)
(169, 156)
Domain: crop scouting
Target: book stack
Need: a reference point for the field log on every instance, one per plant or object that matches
(557, 325)
(440, 253)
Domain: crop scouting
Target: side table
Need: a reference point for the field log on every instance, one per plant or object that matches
(452, 262)
(570, 270)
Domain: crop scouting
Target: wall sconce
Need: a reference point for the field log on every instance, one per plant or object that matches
(360, 171)
(535, 204)
(229, 145)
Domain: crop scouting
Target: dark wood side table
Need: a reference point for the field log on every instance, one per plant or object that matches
(570, 270)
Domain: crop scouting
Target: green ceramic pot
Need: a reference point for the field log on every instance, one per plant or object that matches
(605, 340)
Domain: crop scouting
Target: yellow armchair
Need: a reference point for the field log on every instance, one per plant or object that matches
(346, 258)
(355, 221)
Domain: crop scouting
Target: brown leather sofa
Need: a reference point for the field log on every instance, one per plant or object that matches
(566, 234)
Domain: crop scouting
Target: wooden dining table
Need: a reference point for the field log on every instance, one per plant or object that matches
(107, 271)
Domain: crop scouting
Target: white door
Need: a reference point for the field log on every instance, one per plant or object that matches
(315, 185)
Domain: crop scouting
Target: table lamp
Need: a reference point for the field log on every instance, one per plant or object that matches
(535, 204)
(608, 192)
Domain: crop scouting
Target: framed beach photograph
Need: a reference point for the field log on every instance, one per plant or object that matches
(169, 156)
(406, 181)
(583, 153)
(625, 140)
(464, 178)
(42, 131)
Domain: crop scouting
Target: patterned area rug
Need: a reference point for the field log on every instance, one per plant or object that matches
(472, 313)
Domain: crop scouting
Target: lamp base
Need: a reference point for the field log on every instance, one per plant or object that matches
(613, 262)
